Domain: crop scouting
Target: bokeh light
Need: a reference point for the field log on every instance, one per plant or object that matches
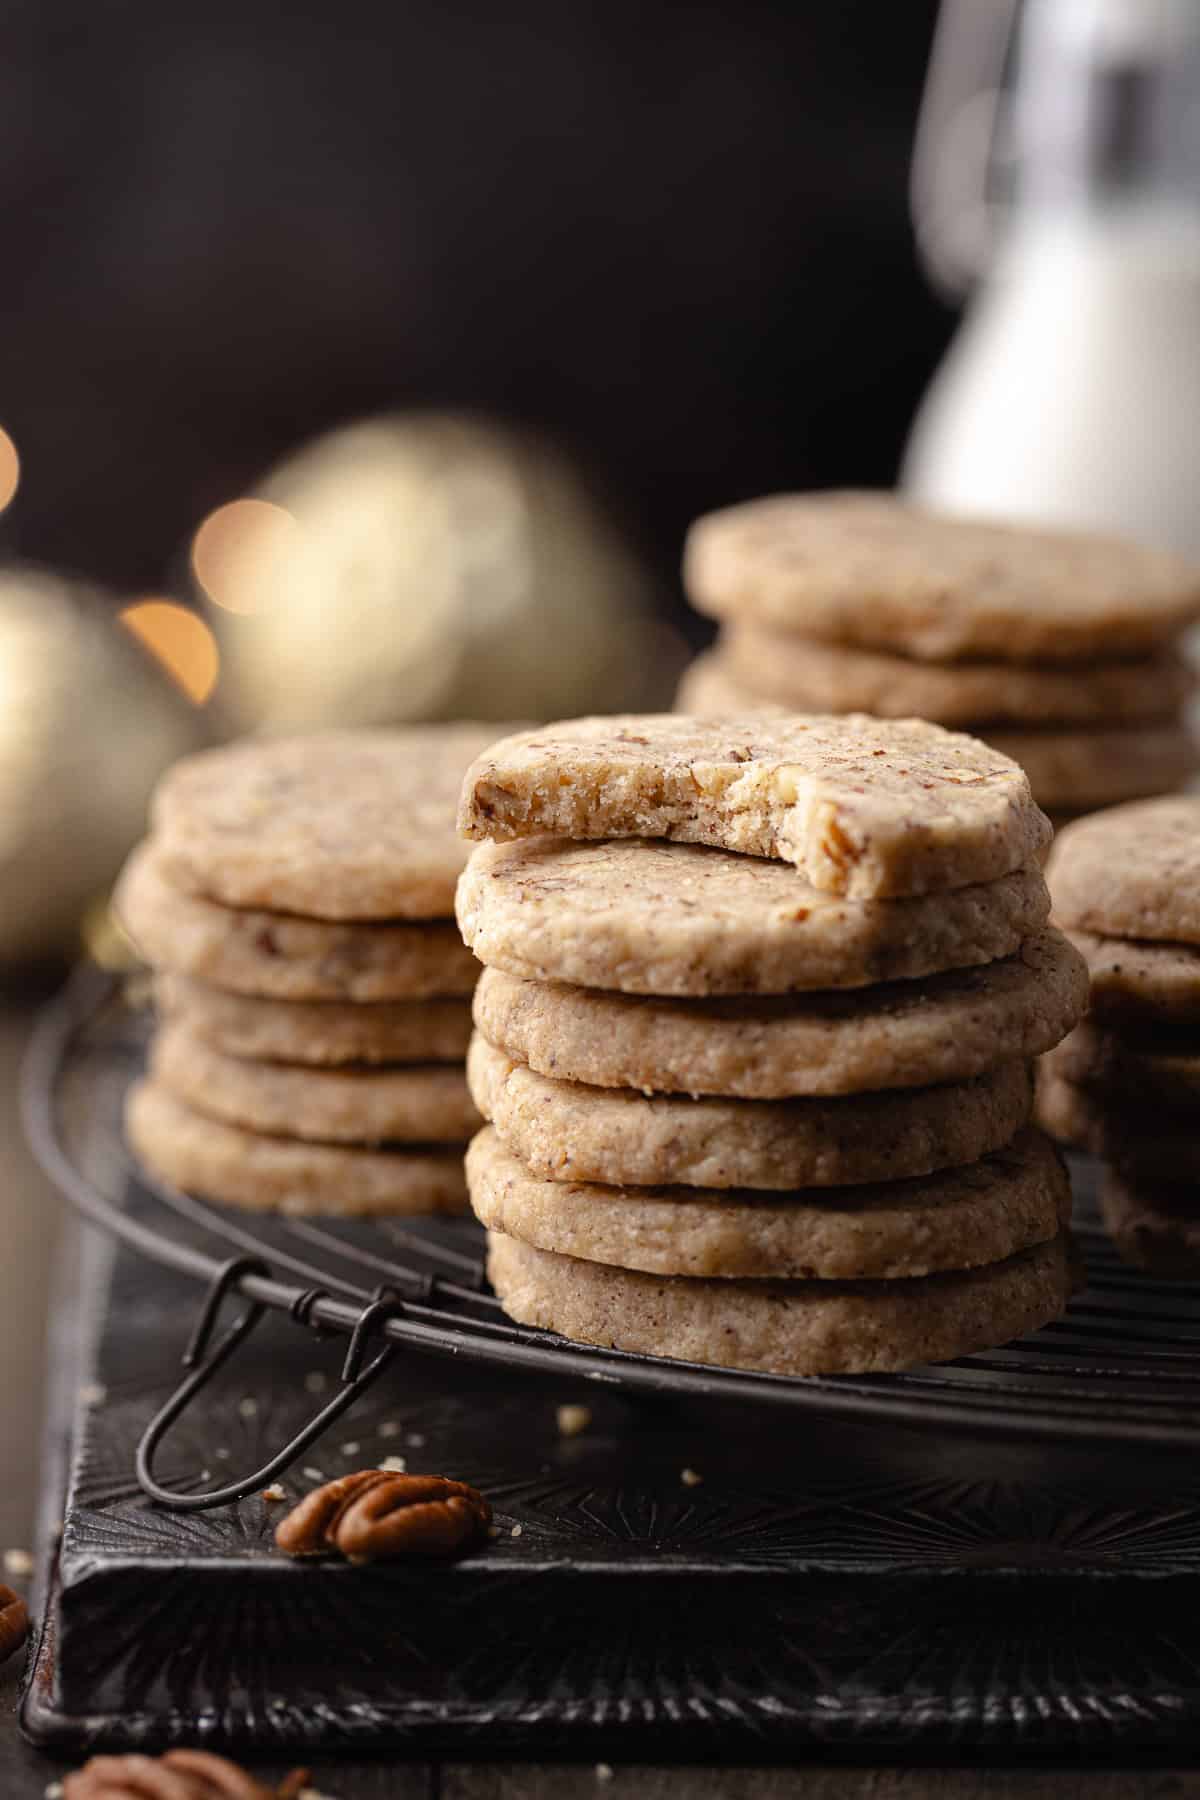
(10, 469)
(237, 548)
(178, 639)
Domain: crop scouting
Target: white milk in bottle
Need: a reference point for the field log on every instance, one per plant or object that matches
(1071, 393)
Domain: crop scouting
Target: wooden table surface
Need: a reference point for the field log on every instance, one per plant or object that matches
(30, 1216)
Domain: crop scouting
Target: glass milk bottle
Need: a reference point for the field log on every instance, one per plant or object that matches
(1071, 393)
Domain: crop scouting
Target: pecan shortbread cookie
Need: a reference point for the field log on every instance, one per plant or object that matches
(957, 1219)
(337, 825)
(1141, 984)
(1133, 872)
(948, 1027)
(564, 1131)
(649, 917)
(803, 673)
(318, 1031)
(784, 1327)
(276, 955)
(417, 1103)
(277, 1174)
(865, 807)
(875, 570)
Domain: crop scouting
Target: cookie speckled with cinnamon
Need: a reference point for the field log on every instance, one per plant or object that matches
(336, 825)
(656, 918)
(875, 570)
(864, 807)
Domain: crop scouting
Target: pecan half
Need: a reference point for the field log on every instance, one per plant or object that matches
(374, 1513)
(14, 1622)
(179, 1775)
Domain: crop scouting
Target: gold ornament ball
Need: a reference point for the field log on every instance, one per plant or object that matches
(87, 722)
(426, 566)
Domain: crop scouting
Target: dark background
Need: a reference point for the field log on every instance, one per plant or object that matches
(676, 236)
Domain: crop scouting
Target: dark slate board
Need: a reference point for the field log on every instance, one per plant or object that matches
(821, 1593)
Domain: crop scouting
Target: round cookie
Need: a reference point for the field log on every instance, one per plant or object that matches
(318, 1031)
(868, 808)
(908, 1034)
(781, 1327)
(1132, 872)
(418, 1103)
(802, 673)
(707, 690)
(1155, 1228)
(336, 825)
(277, 956)
(655, 918)
(873, 570)
(1072, 770)
(275, 1174)
(890, 1231)
(1147, 1142)
(1068, 771)
(1141, 984)
(1065, 1111)
(1126, 1072)
(563, 1131)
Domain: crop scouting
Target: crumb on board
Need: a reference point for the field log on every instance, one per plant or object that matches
(18, 1562)
(390, 1428)
(573, 1419)
(395, 1465)
(248, 1407)
(276, 1491)
(313, 1474)
(690, 1478)
(516, 1531)
(316, 1382)
(352, 1448)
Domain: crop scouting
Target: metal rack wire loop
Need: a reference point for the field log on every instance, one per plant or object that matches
(354, 1382)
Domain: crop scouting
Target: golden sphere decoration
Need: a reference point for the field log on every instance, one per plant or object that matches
(87, 722)
(427, 566)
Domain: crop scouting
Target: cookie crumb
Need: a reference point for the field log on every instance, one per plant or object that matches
(54, 1791)
(604, 1771)
(276, 1491)
(352, 1448)
(572, 1420)
(93, 1393)
(316, 1382)
(222, 1453)
(416, 1440)
(389, 1429)
(690, 1478)
(516, 1531)
(313, 1474)
(18, 1562)
(248, 1407)
(395, 1465)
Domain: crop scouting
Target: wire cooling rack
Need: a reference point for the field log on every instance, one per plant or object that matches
(1122, 1368)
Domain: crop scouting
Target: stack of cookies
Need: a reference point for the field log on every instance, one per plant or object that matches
(1126, 1084)
(295, 898)
(753, 1039)
(1062, 650)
